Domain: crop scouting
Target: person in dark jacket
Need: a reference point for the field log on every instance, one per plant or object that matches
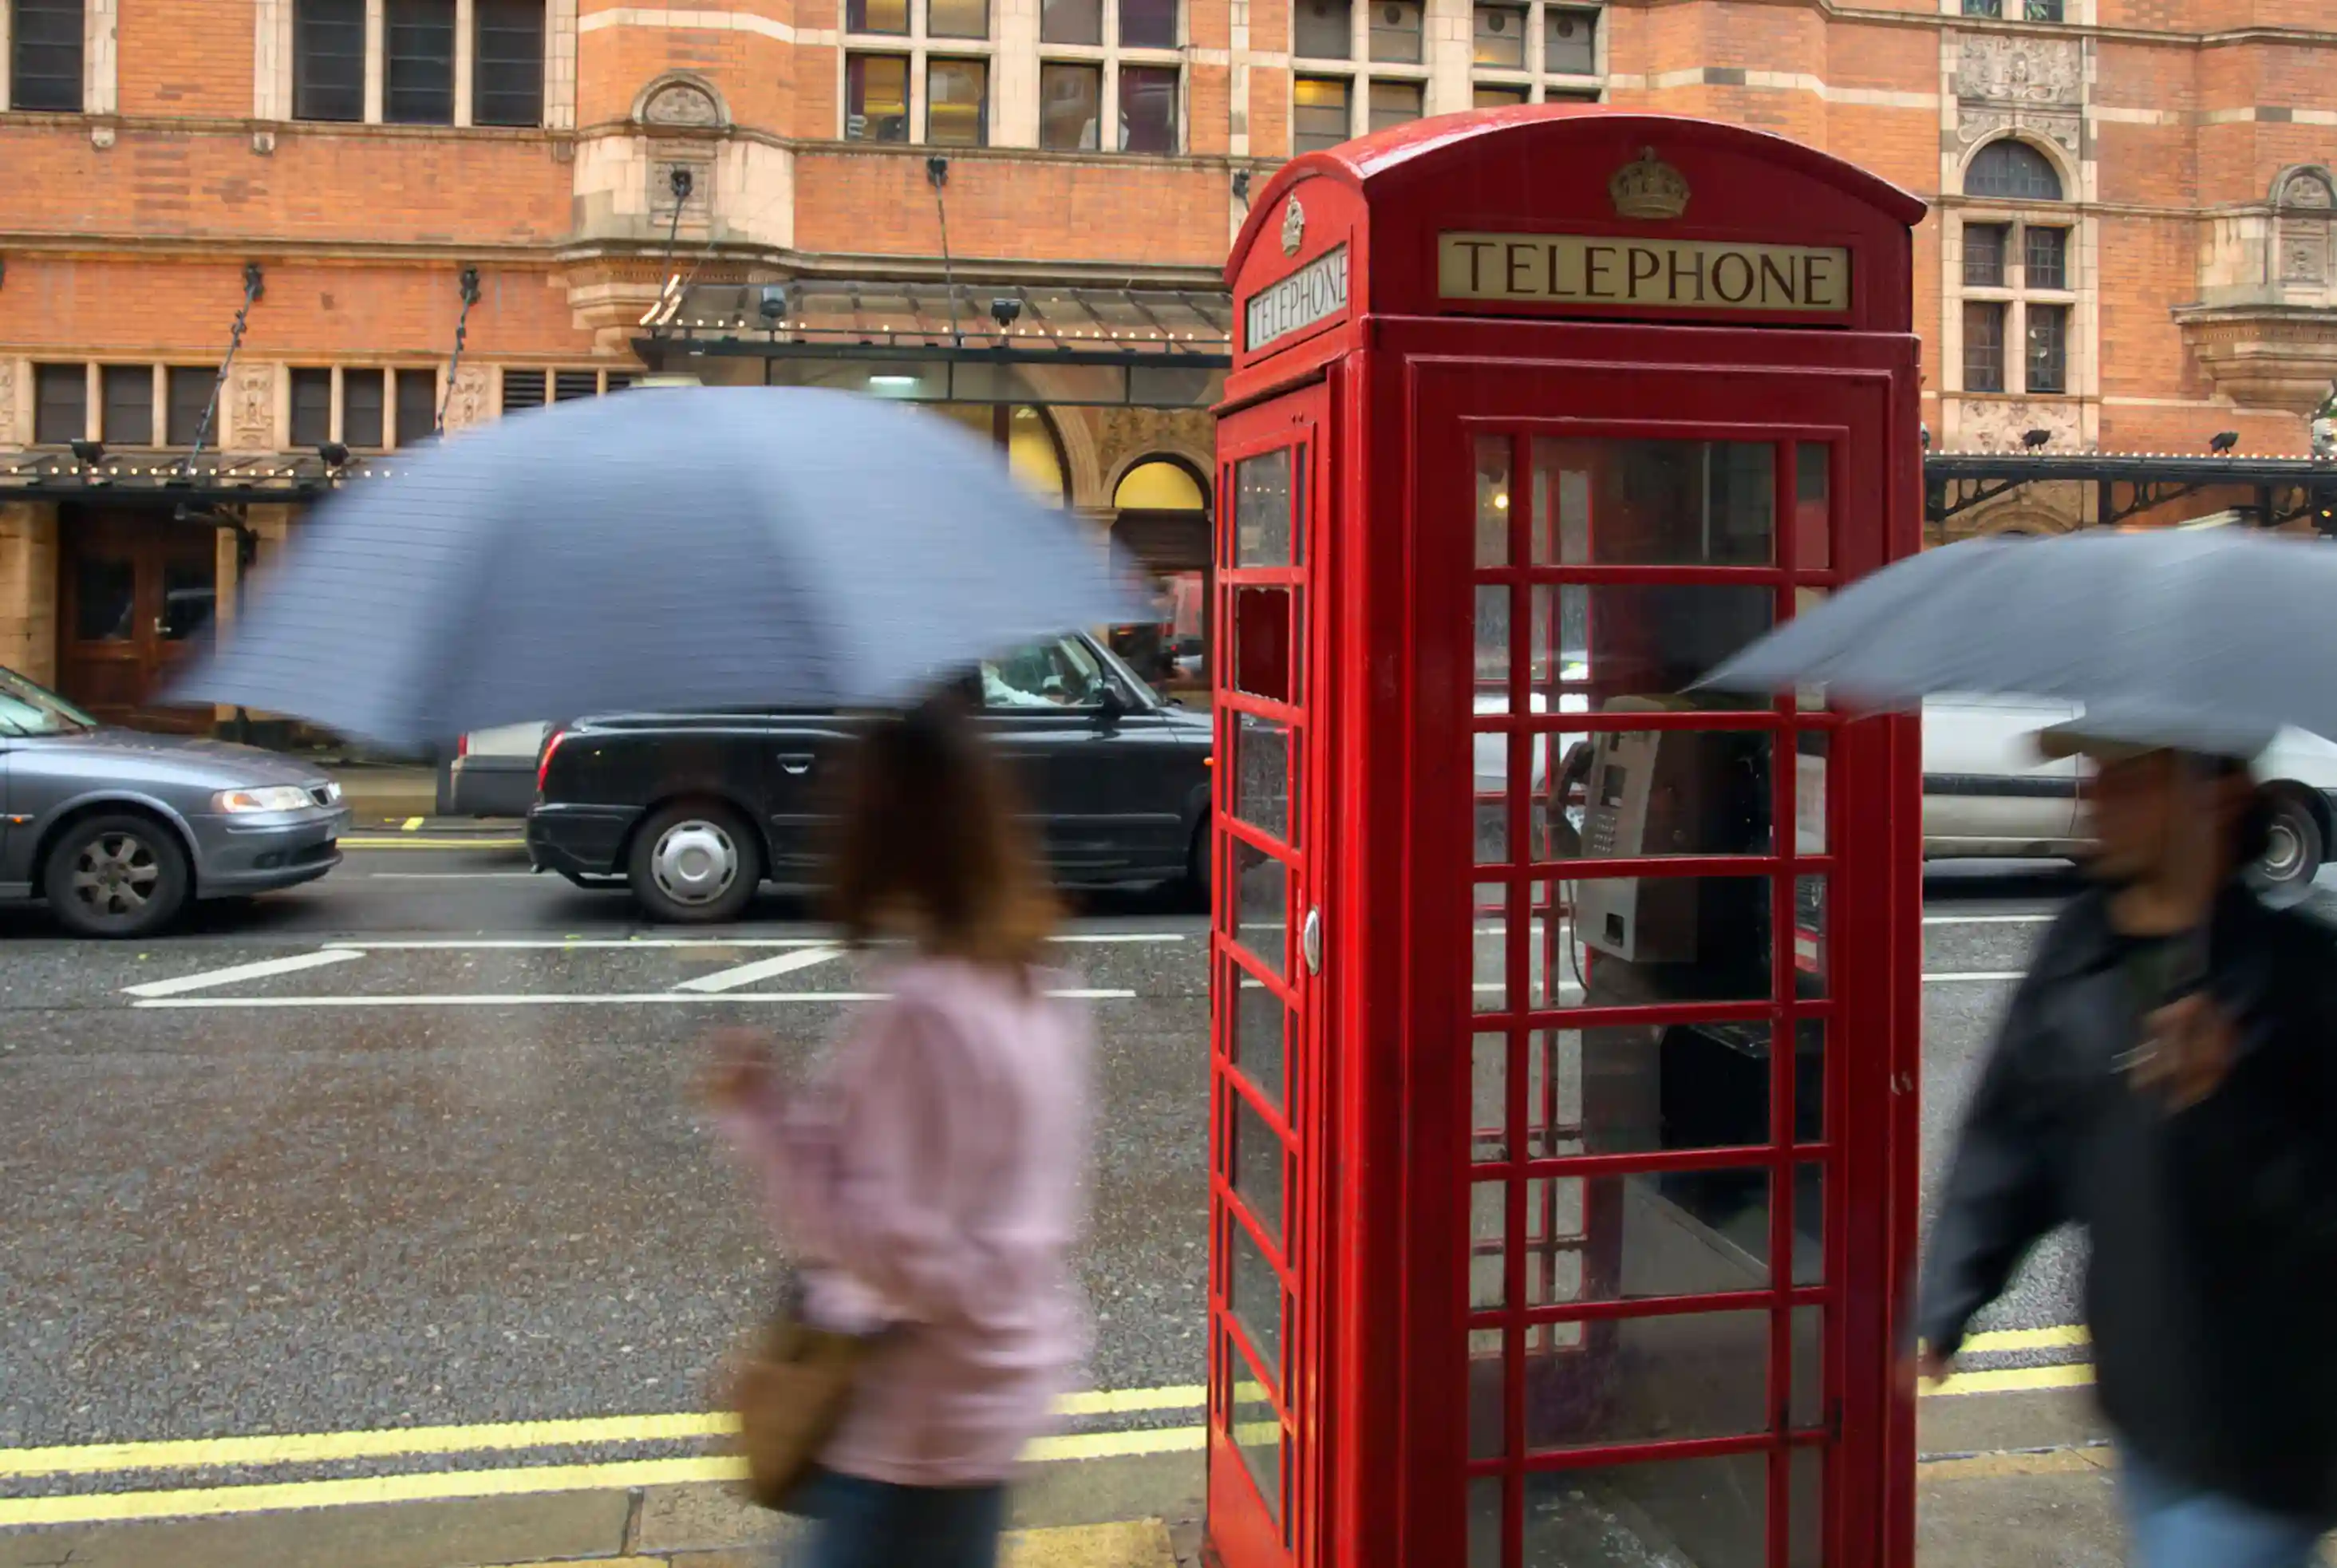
(2167, 1079)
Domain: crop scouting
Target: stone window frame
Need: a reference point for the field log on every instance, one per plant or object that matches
(1541, 84)
(2017, 217)
(100, 60)
(273, 51)
(920, 47)
(1108, 57)
(393, 439)
(1360, 72)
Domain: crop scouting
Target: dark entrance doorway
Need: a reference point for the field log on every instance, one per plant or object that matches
(135, 595)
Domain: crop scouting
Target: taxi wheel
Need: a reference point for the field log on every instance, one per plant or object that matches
(1197, 865)
(695, 862)
(121, 875)
(2293, 847)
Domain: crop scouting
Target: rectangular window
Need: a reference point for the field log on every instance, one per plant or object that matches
(328, 51)
(1319, 113)
(1394, 104)
(44, 56)
(1325, 29)
(2040, 10)
(312, 407)
(1983, 7)
(417, 406)
(875, 98)
(507, 62)
(1490, 97)
(2047, 257)
(1571, 43)
(1147, 109)
(60, 406)
(2049, 349)
(1071, 107)
(362, 424)
(418, 68)
(1148, 23)
(189, 393)
(957, 18)
(877, 16)
(1501, 37)
(1070, 21)
(1984, 346)
(1395, 31)
(1984, 245)
(522, 390)
(128, 413)
(958, 102)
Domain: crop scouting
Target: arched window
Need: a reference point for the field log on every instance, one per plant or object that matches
(1034, 455)
(1157, 484)
(2013, 169)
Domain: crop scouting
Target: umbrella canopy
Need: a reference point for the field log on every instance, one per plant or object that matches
(2191, 637)
(669, 548)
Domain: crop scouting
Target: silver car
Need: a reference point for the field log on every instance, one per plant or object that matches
(118, 830)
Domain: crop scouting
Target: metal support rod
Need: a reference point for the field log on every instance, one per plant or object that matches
(469, 285)
(937, 175)
(254, 285)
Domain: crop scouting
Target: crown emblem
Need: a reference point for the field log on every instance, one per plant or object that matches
(1294, 227)
(1648, 188)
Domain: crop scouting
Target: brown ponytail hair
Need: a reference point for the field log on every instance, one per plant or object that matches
(933, 846)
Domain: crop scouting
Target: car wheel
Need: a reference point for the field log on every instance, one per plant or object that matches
(1197, 865)
(694, 862)
(119, 874)
(2293, 845)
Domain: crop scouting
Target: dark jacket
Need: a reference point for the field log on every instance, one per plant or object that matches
(2210, 1289)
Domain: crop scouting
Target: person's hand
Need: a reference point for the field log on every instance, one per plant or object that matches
(2192, 1048)
(738, 1069)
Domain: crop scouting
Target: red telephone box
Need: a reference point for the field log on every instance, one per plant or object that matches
(1564, 1036)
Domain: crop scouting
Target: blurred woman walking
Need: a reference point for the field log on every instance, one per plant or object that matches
(930, 1175)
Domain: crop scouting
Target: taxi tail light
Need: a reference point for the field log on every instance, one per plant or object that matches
(462, 745)
(544, 762)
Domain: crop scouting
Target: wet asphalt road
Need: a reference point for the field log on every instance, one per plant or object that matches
(239, 1208)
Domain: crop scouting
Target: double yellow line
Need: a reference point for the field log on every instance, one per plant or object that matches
(511, 1436)
(391, 1443)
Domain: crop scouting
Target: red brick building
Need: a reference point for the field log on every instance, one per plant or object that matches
(2131, 247)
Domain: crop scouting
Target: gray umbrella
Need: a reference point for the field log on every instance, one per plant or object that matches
(2187, 636)
(685, 547)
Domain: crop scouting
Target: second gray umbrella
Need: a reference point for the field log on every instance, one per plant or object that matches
(688, 547)
(2207, 630)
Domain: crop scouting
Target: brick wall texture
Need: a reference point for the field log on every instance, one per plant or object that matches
(124, 234)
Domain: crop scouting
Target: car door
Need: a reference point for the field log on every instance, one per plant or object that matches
(1065, 725)
(800, 768)
(1987, 791)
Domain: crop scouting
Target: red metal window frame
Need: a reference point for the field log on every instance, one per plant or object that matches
(1783, 1010)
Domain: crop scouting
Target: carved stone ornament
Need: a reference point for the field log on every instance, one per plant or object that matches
(252, 400)
(681, 104)
(2303, 250)
(1294, 227)
(468, 404)
(1976, 125)
(7, 402)
(1997, 425)
(1994, 68)
(1648, 188)
(2306, 188)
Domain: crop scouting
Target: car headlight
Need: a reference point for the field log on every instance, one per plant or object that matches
(264, 797)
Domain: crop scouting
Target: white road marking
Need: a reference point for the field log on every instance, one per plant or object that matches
(731, 979)
(1988, 919)
(546, 999)
(259, 971)
(1977, 975)
(590, 944)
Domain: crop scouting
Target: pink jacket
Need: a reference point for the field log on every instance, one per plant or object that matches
(931, 1175)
